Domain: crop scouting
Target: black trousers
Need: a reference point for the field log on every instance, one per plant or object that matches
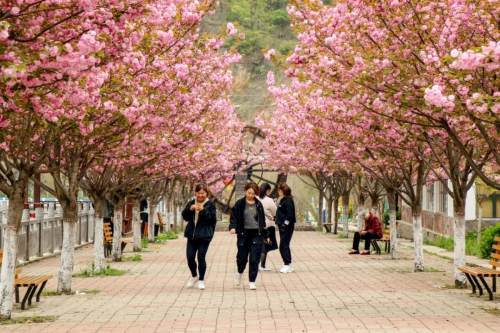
(200, 247)
(367, 237)
(249, 247)
(273, 245)
(286, 233)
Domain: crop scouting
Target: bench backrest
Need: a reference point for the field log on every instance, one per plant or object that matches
(160, 219)
(108, 234)
(495, 254)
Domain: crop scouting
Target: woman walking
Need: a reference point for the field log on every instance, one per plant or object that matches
(285, 219)
(248, 223)
(270, 213)
(200, 215)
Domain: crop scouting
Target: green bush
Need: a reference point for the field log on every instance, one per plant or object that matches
(487, 238)
(471, 245)
(108, 271)
(163, 237)
(442, 242)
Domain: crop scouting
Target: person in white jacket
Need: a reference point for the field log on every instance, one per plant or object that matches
(270, 214)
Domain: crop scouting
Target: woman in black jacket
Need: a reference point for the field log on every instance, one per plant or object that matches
(285, 219)
(249, 224)
(200, 215)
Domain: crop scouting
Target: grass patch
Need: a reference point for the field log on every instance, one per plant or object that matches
(49, 293)
(108, 271)
(493, 311)
(164, 236)
(442, 242)
(448, 286)
(88, 291)
(144, 243)
(135, 257)
(438, 255)
(28, 320)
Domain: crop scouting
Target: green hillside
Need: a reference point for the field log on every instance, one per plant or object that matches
(266, 25)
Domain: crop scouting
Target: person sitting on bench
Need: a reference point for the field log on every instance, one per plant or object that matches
(371, 230)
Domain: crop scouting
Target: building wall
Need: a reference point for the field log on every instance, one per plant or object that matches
(437, 214)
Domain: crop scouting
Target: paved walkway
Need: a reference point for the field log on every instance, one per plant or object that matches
(330, 291)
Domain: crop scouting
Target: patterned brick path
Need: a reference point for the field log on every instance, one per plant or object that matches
(329, 291)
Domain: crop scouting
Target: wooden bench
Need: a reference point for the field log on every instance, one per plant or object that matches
(32, 282)
(475, 273)
(386, 239)
(108, 239)
(161, 222)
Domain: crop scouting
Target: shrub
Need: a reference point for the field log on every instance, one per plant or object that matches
(471, 245)
(442, 242)
(487, 238)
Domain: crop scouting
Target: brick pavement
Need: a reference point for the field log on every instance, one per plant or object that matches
(329, 291)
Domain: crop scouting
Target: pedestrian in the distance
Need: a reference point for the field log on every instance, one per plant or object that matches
(200, 215)
(249, 224)
(285, 220)
(370, 231)
(270, 214)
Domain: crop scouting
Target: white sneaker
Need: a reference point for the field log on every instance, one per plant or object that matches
(264, 269)
(286, 269)
(191, 282)
(201, 285)
(252, 286)
(237, 279)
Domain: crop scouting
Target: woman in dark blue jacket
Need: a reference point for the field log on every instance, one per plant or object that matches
(249, 224)
(285, 220)
(200, 215)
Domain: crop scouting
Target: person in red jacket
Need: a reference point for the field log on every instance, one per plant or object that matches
(371, 230)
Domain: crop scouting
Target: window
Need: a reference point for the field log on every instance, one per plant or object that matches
(430, 198)
(443, 198)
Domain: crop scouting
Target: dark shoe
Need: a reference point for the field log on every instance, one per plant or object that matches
(354, 252)
(365, 253)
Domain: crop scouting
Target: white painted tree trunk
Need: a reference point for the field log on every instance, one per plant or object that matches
(136, 227)
(459, 250)
(345, 217)
(176, 217)
(117, 233)
(479, 221)
(361, 216)
(99, 261)
(418, 242)
(7, 275)
(151, 221)
(394, 234)
(67, 251)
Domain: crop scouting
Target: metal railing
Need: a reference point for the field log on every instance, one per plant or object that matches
(40, 234)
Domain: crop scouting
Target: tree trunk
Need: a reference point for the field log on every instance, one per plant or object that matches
(136, 227)
(175, 211)
(320, 208)
(117, 232)
(459, 246)
(345, 213)
(360, 214)
(335, 215)
(479, 222)
(99, 261)
(329, 212)
(391, 198)
(70, 215)
(9, 258)
(151, 220)
(418, 239)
